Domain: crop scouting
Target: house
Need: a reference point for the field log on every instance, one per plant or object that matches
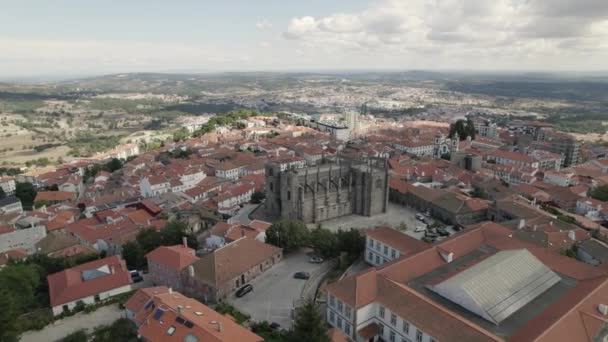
(54, 197)
(13, 254)
(8, 184)
(385, 244)
(10, 205)
(479, 285)
(154, 186)
(223, 232)
(163, 315)
(217, 274)
(88, 283)
(165, 264)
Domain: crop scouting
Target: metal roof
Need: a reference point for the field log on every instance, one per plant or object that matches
(498, 286)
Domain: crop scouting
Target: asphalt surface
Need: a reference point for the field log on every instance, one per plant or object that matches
(276, 291)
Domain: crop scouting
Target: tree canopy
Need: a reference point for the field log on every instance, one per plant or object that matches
(288, 234)
(26, 193)
(462, 129)
(600, 193)
(309, 325)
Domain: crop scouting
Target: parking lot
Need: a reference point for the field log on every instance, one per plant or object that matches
(275, 291)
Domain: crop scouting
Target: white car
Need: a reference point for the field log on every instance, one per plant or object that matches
(420, 229)
(315, 260)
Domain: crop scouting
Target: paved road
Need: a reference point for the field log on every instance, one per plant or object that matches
(60, 329)
(275, 291)
(242, 216)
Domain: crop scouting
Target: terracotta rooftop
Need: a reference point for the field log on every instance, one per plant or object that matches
(54, 196)
(72, 284)
(176, 257)
(404, 243)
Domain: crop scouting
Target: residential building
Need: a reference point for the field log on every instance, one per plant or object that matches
(485, 128)
(165, 264)
(54, 197)
(10, 205)
(163, 315)
(216, 275)
(558, 178)
(88, 283)
(8, 184)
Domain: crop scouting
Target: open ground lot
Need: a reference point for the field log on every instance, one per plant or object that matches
(395, 216)
(275, 291)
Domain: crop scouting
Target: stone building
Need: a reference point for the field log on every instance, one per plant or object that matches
(329, 190)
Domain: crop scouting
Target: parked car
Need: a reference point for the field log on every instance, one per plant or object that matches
(136, 277)
(275, 326)
(443, 232)
(301, 275)
(315, 259)
(419, 217)
(428, 239)
(244, 290)
(420, 229)
(431, 234)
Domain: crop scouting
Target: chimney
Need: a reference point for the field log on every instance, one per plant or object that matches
(185, 241)
(522, 224)
(180, 309)
(191, 271)
(550, 223)
(112, 270)
(572, 235)
(170, 291)
(219, 325)
(603, 309)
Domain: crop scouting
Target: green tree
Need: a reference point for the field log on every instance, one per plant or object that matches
(324, 241)
(121, 330)
(2, 193)
(600, 193)
(309, 325)
(288, 234)
(26, 193)
(462, 129)
(257, 197)
(351, 241)
(134, 255)
(77, 336)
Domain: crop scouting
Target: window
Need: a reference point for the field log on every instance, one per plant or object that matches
(371, 243)
(391, 336)
(65, 308)
(379, 246)
(393, 319)
(96, 298)
(406, 327)
(403, 339)
(418, 335)
(370, 256)
(393, 253)
(381, 312)
(339, 322)
(385, 249)
(332, 316)
(339, 306)
(381, 329)
(288, 195)
(271, 187)
(347, 329)
(332, 301)
(347, 311)
(377, 259)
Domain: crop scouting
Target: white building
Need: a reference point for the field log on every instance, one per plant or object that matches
(8, 185)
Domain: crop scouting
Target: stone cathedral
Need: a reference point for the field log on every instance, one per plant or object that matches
(328, 190)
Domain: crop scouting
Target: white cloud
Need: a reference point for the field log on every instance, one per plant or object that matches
(517, 33)
(263, 24)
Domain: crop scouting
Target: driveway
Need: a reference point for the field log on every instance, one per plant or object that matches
(276, 291)
(105, 315)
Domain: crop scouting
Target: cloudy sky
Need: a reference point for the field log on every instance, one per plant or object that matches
(75, 37)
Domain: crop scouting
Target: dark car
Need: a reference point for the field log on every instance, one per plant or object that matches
(443, 232)
(244, 290)
(429, 239)
(430, 234)
(275, 326)
(136, 277)
(301, 275)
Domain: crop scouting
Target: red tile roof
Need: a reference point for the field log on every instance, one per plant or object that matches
(68, 285)
(176, 257)
(55, 196)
